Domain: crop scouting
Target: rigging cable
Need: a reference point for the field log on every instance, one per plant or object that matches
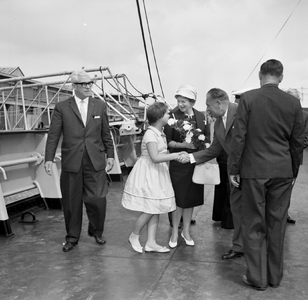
(132, 85)
(144, 44)
(271, 43)
(146, 16)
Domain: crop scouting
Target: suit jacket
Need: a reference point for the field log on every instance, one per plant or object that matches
(305, 116)
(95, 137)
(222, 137)
(268, 138)
(173, 135)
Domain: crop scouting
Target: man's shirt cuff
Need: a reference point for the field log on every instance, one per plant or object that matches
(192, 159)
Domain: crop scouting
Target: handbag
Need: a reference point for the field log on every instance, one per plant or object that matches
(206, 173)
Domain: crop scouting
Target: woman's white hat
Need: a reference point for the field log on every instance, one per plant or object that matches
(187, 91)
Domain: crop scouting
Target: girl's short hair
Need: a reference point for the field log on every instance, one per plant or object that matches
(156, 111)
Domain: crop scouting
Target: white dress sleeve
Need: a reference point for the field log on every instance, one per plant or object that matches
(149, 136)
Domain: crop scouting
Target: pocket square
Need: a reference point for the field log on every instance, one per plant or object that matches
(97, 117)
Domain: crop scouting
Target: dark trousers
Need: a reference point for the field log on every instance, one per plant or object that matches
(264, 215)
(85, 186)
(236, 208)
(221, 205)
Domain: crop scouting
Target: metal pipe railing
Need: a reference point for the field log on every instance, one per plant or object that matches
(109, 105)
(3, 172)
(23, 82)
(19, 161)
(13, 79)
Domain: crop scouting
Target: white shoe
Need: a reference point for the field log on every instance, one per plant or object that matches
(188, 242)
(135, 247)
(160, 250)
(173, 244)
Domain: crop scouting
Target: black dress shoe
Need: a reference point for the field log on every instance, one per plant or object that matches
(99, 240)
(258, 288)
(273, 285)
(226, 227)
(232, 254)
(290, 220)
(68, 246)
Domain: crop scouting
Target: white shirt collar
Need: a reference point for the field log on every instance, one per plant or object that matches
(78, 100)
(226, 113)
(224, 117)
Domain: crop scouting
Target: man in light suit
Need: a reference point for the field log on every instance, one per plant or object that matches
(265, 157)
(83, 122)
(220, 107)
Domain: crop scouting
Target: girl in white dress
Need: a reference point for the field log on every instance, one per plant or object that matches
(148, 187)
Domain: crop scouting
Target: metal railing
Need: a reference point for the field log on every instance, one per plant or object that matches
(21, 96)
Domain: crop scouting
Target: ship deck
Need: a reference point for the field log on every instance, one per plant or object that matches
(34, 267)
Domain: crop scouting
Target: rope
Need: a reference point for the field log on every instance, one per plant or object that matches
(271, 43)
(146, 16)
(145, 46)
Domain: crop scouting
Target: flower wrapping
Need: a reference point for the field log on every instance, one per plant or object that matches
(189, 133)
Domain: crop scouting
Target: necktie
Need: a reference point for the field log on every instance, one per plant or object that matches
(83, 112)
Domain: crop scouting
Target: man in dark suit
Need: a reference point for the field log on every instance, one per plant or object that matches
(83, 122)
(265, 157)
(220, 107)
(221, 203)
(295, 93)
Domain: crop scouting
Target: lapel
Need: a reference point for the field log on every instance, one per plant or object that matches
(90, 109)
(181, 116)
(198, 119)
(74, 107)
(220, 128)
(230, 116)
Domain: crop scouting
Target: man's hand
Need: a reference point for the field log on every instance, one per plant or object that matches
(183, 158)
(110, 163)
(235, 180)
(47, 166)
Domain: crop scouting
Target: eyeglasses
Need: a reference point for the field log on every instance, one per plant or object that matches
(85, 84)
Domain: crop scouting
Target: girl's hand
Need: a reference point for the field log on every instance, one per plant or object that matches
(188, 145)
(183, 157)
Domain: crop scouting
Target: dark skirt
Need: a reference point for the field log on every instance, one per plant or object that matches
(187, 193)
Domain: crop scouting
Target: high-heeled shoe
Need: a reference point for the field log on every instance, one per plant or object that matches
(173, 244)
(188, 242)
(136, 248)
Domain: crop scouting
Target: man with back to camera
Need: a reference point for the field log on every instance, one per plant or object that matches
(265, 157)
(220, 107)
(83, 121)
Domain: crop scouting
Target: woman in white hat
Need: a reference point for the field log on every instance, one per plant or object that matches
(187, 194)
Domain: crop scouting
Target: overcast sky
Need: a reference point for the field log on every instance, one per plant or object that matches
(206, 43)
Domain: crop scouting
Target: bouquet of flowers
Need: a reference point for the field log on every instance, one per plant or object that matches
(189, 133)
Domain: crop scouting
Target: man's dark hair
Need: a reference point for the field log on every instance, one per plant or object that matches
(272, 67)
(156, 111)
(218, 94)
